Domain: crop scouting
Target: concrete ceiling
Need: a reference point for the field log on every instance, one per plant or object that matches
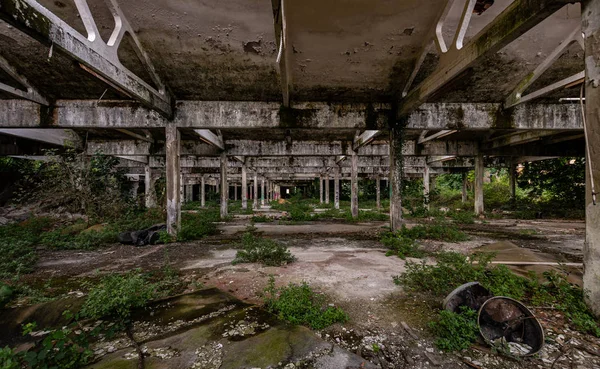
(343, 50)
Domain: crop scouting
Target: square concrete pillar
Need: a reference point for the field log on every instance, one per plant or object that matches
(426, 179)
(396, 169)
(255, 193)
(173, 179)
(202, 192)
(512, 177)
(354, 186)
(321, 189)
(590, 26)
(378, 191)
(149, 192)
(327, 188)
(189, 193)
(479, 169)
(244, 187)
(224, 185)
(262, 193)
(336, 188)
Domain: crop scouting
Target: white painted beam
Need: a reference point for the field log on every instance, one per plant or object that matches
(209, 137)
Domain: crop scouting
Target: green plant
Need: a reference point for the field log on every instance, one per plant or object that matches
(261, 219)
(400, 246)
(116, 296)
(61, 348)
(462, 217)
(299, 304)
(256, 249)
(199, 225)
(437, 231)
(455, 331)
(9, 359)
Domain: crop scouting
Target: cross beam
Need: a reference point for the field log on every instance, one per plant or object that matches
(94, 55)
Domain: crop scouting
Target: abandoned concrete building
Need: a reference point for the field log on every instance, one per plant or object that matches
(253, 99)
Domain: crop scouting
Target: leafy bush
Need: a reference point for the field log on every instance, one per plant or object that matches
(116, 296)
(454, 269)
(462, 217)
(61, 348)
(256, 249)
(402, 247)
(436, 231)
(455, 331)
(299, 304)
(9, 359)
(198, 225)
(261, 219)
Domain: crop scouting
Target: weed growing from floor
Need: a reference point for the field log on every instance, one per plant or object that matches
(17, 242)
(462, 217)
(453, 269)
(402, 247)
(261, 219)
(455, 331)
(299, 304)
(439, 231)
(195, 226)
(256, 249)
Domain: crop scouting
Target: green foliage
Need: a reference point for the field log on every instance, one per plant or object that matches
(455, 331)
(256, 249)
(61, 348)
(9, 359)
(365, 216)
(454, 269)
(462, 217)
(402, 247)
(439, 231)
(116, 296)
(195, 226)
(299, 304)
(6, 294)
(72, 180)
(17, 243)
(560, 180)
(261, 219)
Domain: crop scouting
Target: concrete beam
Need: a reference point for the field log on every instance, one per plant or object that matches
(53, 136)
(30, 93)
(518, 138)
(94, 55)
(210, 138)
(365, 138)
(518, 18)
(262, 115)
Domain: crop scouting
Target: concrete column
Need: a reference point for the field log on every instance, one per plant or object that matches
(426, 187)
(479, 169)
(321, 188)
(354, 186)
(235, 192)
(149, 193)
(396, 169)
(590, 26)
(378, 192)
(512, 176)
(327, 188)
(217, 185)
(189, 193)
(135, 186)
(336, 189)
(255, 193)
(262, 193)
(202, 192)
(244, 187)
(464, 187)
(173, 179)
(224, 185)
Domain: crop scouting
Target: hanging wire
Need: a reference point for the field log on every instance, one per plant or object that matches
(587, 149)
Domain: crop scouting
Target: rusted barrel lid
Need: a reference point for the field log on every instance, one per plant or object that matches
(471, 294)
(510, 327)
